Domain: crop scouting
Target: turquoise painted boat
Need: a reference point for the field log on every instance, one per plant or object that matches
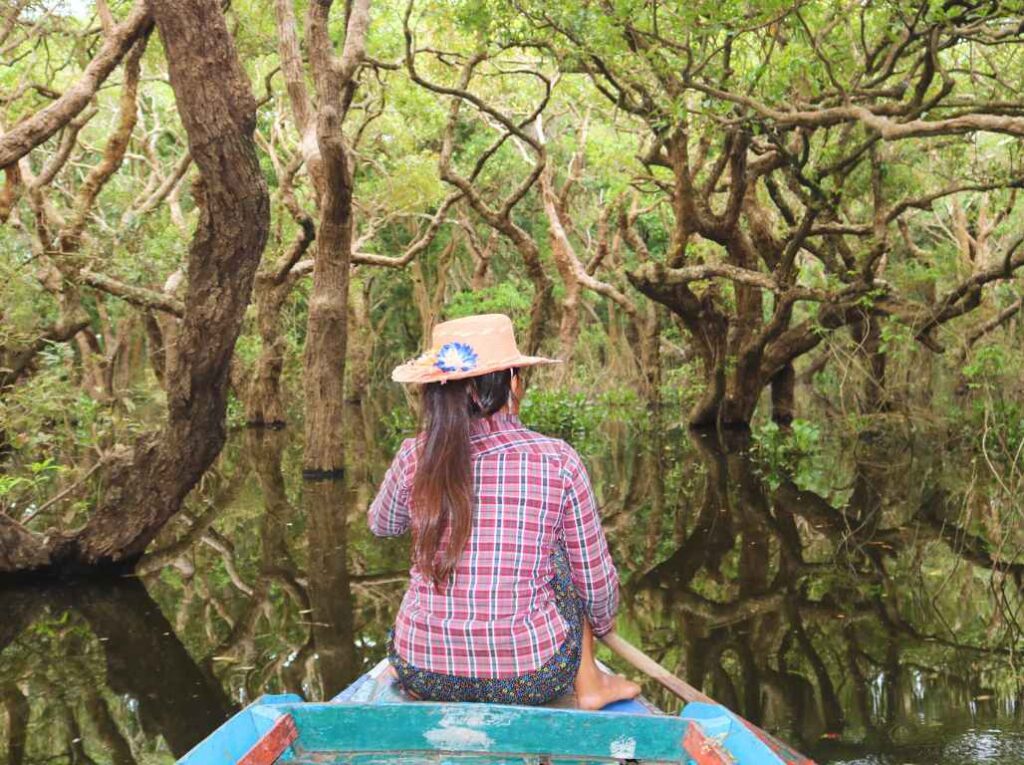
(372, 722)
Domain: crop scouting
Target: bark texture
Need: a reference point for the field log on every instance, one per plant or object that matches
(327, 333)
(264, 406)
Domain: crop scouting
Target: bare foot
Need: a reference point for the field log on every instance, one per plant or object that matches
(595, 690)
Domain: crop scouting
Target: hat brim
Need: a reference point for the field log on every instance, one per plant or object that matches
(417, 372)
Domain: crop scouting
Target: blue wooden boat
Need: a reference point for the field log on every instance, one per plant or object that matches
(372, 722)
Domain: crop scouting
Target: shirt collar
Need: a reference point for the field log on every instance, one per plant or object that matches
(497, 422)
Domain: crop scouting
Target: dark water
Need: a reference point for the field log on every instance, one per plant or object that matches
(857, 600)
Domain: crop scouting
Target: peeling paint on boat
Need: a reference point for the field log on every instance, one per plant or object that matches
(624, 748)
(460, 730)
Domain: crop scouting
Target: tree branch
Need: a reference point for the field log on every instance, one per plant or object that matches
(138, 296)
(32, 131)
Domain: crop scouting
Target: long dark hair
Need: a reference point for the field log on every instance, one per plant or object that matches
(442, 490)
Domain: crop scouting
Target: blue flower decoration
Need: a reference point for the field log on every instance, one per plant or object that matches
(456, 357)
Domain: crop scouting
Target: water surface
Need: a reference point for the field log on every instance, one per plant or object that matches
(861, 601)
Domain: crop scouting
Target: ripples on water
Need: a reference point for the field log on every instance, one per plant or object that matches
(994, 747)
(857, 601)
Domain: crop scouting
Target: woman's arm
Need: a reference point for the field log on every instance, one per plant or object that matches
(389, 512)
(593, 572)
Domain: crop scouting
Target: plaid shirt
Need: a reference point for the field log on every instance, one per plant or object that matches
(497, 615)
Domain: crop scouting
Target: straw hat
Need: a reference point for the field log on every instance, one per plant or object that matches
(467, 347)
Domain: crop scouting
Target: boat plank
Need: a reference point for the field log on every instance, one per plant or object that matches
(487, 729)
(743, 741)
(272, 744)
(704, 750)
(420, 758)
(233, 740)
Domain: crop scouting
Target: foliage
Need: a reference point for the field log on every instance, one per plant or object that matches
(22, 492)
(773, 55)
(562, 414)
(509, 297)
(397, 425)
(778, 450)
(555, 412)
(987, 367)
(996, 415)
(725, 561)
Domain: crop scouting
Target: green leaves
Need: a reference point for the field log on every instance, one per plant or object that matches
(21, 493)
(987, 366)
(563, 414)
(778, 451)
(510, 297)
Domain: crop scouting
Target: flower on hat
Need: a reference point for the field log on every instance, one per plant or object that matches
(456, 357)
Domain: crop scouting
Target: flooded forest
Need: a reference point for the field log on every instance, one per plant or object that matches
(778, 245)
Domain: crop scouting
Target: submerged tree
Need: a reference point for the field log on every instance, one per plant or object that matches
(682, 203)
(329, 156)
(789, 143)
(147, 483)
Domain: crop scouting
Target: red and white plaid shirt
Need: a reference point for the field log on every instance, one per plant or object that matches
(497, 616)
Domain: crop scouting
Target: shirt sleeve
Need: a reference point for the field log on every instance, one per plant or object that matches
(593, 572)
(389, 512)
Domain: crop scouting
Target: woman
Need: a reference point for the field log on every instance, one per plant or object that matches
(511, 574)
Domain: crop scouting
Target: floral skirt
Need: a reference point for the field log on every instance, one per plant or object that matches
(549, 681)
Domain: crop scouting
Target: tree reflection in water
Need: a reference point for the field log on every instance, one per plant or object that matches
(862, 602)
(862, 612)
(330, 593)
(96, 668)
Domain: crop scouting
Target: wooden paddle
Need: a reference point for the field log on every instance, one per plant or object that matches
(652, 669)
(688, 693)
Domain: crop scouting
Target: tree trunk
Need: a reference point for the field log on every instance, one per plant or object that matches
(20, 549)
(429, 299)
(568, 330)
(360, 352)
(569, 326)
(93, 367)
(162, 331)
(128, 357)
(274, 282)
(481, 254)
(650, 353)
(264, 406)
(327, 325)
(146, 488)
(421, 300)
(728, 399)
(734, 372)
(327, 329)
(18, 711)
(868, 335)
(784, 395)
